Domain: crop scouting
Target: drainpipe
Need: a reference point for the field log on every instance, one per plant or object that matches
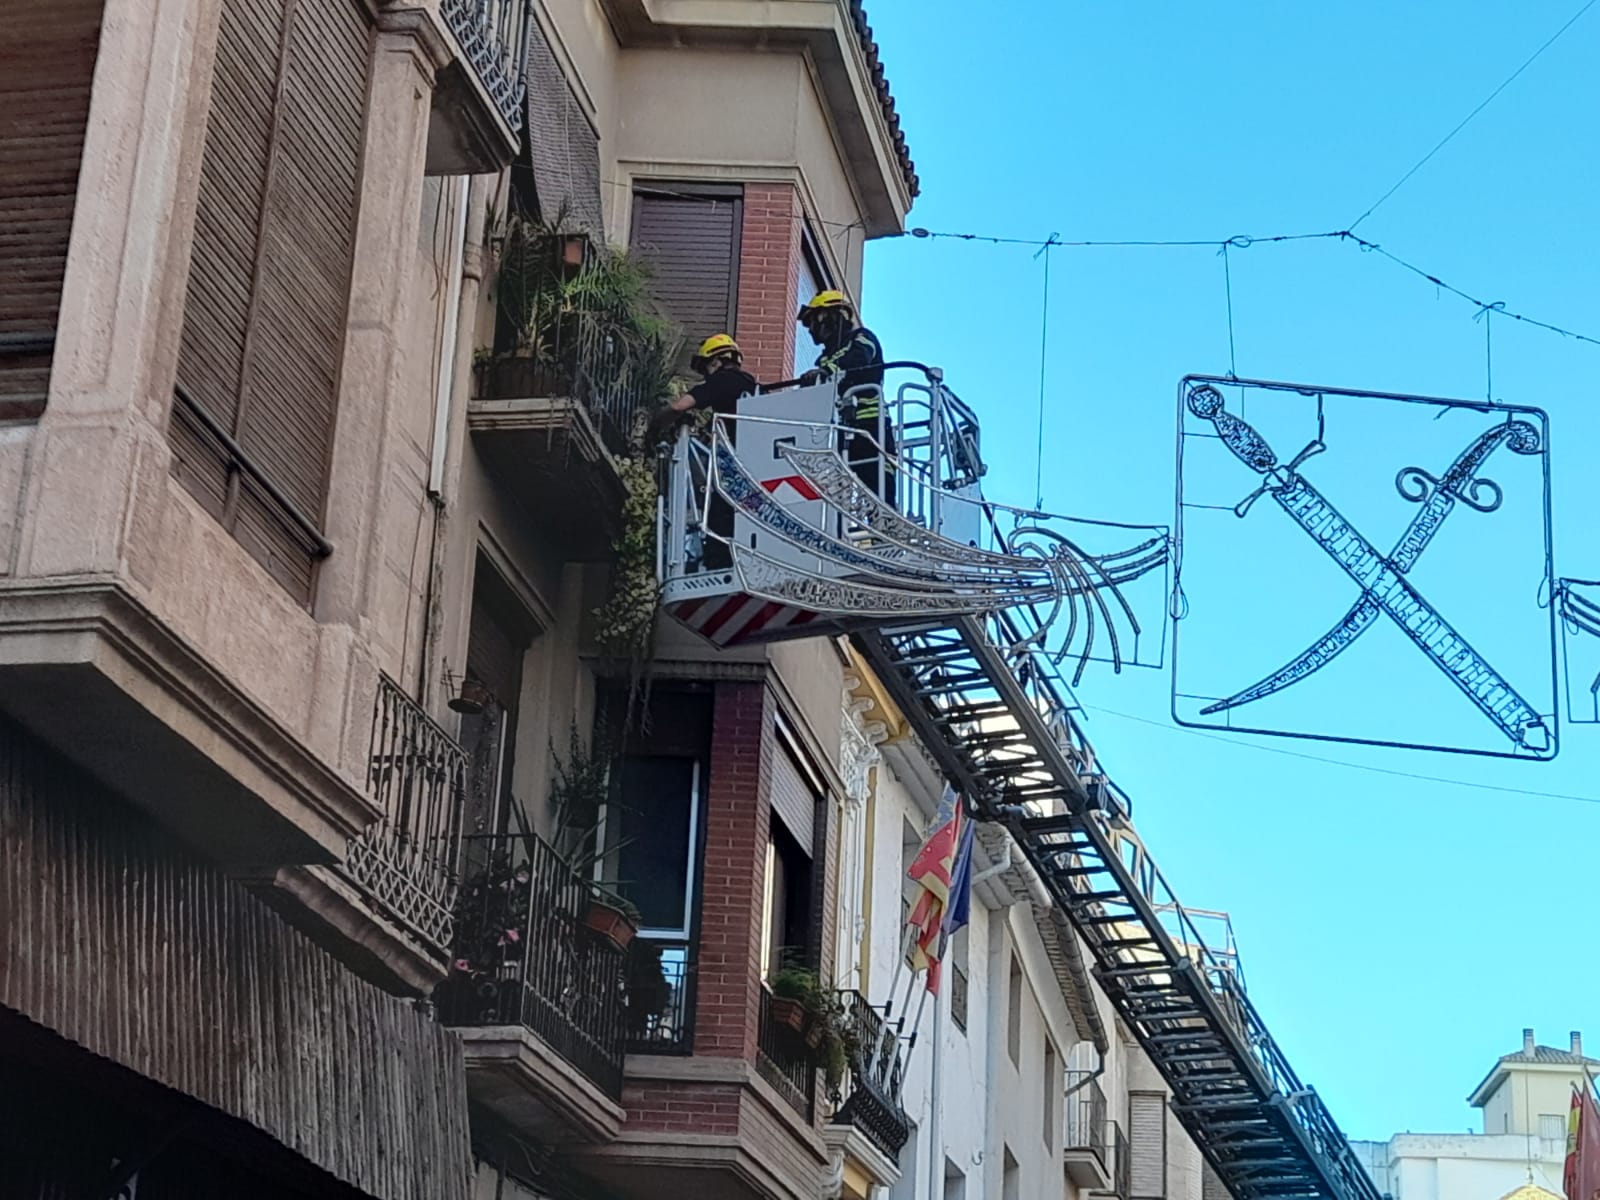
(447, 351)
(432, 613)
(991, 871)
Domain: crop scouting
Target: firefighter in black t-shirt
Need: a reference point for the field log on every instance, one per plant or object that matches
(852, 352)
(724, 382)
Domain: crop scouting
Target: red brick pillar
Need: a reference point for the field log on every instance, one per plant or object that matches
(769, 274)
(738, 824)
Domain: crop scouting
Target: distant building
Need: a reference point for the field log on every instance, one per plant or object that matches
(1524, 1101)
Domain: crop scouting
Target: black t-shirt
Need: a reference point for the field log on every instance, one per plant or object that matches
(721, 390)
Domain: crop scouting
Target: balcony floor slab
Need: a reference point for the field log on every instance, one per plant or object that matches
(515, 1075)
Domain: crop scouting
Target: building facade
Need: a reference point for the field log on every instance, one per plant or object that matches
(1524, 1101)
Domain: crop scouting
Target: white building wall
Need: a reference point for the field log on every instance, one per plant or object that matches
(1461, 1166)
(1526, 1095)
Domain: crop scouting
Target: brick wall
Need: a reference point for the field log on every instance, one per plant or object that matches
(769, 274)
(738, 816)
(685, 1107)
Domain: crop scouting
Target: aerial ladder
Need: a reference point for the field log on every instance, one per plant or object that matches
(979, 619)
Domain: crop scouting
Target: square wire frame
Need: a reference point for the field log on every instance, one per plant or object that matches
(1249, 449)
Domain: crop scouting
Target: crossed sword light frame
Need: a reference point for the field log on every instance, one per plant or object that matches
(1382, 578)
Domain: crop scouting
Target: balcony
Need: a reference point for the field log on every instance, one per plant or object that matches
(1121, 1170)
(869, 1099)
(1086, 1152)
(478, 99)
(549, 423)
(407, 861)
(538, 998)
(784, 1060)
(386, 908)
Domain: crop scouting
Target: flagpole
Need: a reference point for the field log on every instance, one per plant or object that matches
(936, 1094)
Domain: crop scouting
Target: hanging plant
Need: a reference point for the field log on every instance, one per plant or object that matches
(625, 624)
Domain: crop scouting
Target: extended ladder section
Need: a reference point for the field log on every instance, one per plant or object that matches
(1264, 1133)
(769, 532)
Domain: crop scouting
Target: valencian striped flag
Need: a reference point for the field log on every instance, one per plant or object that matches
(941, 871)
(1582, 1177)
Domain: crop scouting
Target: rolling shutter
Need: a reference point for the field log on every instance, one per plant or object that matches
(269, 280)
(1147, 1145)
(44, 110)
(794, 799)
(690, 239)
(562, 146)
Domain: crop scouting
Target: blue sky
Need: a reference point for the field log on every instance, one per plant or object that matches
(1397, 933)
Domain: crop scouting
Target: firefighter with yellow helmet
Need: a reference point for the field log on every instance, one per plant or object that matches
(723, 383)
(852, 352)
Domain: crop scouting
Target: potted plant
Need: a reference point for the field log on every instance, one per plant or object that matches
(611, 917)
(793, 990)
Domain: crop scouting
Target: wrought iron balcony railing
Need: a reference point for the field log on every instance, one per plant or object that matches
(784, 1060)
(407, 862)
(494, 38)
(525, 955)
(581, 360)
(1086, 1127)
(660, 1014)
(1121, 1169)
(870, 1096)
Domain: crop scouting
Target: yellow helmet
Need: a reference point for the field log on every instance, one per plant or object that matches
(823, 300)
(717, 345)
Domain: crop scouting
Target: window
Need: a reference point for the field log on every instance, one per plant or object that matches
(1552, 1127)
(1147, 1145)
(651, 826)
(955, 1182)
(689, 235)
(269, 278)
(50, 55)
(1011, 1179)
(958, 978)
(788, 918)
(498, 636)
(812, 279)
(789, 925)
(1053, 1088)
(1014, 1014)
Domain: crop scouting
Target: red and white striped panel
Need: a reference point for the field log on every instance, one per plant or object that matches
(733, 620)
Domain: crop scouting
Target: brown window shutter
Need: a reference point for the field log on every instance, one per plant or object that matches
(690, 238)
(269, 281)
(794, 799)
(1147, 1145)
(44, 110)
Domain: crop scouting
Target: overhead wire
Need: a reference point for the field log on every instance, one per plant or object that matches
(1245, 241)
(1237, 242)
(1467, 120)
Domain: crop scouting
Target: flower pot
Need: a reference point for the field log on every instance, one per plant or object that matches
(610, 922)
(788, 1013)
(473, 698)
(813, 1030)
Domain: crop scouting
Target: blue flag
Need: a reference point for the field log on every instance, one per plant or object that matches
(959, 911)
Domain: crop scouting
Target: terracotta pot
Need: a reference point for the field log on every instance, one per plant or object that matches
(611, 923)
(788, 1013)
(814, 1029)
